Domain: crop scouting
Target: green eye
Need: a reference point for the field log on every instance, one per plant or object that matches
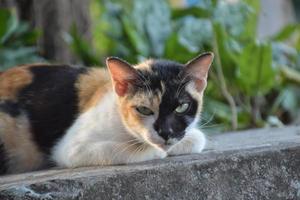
(182, 108)
(144, 110)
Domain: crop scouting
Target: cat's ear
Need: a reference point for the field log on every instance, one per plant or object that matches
(122, 74)
(198, 68)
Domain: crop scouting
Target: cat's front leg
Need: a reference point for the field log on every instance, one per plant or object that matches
(107, 153)
(193, 142)
(147, 153)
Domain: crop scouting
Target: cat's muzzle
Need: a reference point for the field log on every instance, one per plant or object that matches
(171, 138)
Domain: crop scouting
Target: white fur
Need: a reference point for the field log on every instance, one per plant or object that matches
(193, 142)
(98, 137)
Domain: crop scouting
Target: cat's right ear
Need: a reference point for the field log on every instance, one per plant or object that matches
(122, 73)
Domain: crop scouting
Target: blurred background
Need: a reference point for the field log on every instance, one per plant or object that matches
(255, 78)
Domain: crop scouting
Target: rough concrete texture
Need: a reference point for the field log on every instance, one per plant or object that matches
(256, 164)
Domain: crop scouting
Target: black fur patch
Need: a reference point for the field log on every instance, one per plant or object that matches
(51, 102)
(9, 107)
(3, 159)
(163, 70)
(170, 73)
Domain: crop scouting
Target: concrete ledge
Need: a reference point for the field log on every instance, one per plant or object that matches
(256, 164)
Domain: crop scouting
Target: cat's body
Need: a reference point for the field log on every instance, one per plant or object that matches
(80, 116)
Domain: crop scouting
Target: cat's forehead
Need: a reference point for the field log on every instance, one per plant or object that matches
(159, 74)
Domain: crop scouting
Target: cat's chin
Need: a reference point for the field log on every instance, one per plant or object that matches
(158, 142)
(165, 146)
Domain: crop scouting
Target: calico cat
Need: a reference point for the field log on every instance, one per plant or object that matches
(91, 116)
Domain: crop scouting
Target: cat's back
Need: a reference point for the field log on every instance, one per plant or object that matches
(15, 81)
(44, 79)
(37, 104)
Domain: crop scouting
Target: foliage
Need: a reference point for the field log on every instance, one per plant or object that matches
(17, 41)
(253, 82)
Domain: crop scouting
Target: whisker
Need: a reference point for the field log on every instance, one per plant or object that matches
(118, 145)
(209, 120)
(137, 150)
(117, 152)
(212, 126)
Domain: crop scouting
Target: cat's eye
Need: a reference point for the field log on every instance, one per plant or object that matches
(144, 110)
(182, 108)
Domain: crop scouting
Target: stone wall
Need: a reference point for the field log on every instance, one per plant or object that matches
(255, 164)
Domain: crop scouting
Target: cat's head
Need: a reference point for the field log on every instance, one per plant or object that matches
(159, 99)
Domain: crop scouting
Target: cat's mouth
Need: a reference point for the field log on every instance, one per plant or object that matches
(166, 145)
(160, 142)
(172, 141)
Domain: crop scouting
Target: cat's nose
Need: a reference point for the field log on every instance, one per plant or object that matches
(163, 134)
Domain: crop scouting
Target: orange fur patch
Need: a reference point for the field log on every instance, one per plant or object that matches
(23, 154)
(12, 81)
(130, 115)
(91, 87)
(146, 65)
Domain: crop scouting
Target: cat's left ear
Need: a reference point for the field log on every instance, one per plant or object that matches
(122, 73)
(198, 68)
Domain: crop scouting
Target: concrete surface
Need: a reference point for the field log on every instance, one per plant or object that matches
(255, 164)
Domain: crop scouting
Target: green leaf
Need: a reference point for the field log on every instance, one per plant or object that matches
(10, 57)
(152, 21)
(16, 41)
(137, 42)
(217, 108)
(289, 100)
(290, 74)
(286, 32)
(256, 75)
(81, 47)
(5, 16)
(251, 23)
(13, 25)
(194, 33)
(227, 55)
(193, 11)
(176, 51)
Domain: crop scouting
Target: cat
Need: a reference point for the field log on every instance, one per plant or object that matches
(73, 117)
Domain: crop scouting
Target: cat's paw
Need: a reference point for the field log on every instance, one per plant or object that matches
(193, 142)
(155, 153)
(150, 153)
